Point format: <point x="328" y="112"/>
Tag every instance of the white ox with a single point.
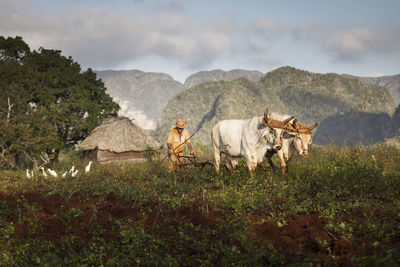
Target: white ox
<point x="297" y="138"/>
<point x="250" y="138"/>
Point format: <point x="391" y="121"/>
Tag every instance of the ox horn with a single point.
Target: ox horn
<point x="315" y="125"/>
<point x="295" y="124"/>
<point x="266" y="115"/>
<point x="287" y="120"/>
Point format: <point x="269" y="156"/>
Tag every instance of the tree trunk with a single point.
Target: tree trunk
<point x="9" y="110"/>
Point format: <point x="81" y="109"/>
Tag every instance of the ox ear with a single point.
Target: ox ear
<point x="290" y="133"/>
<point x="287" y="120"/>
<point x="314" y="125"/>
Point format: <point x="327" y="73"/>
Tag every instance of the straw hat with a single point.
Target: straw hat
<point x="180" y="124"/>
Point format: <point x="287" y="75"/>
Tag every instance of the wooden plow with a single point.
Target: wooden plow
<point x="194" y="161"/>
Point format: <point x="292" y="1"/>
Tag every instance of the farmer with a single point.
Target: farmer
<point x="176" y="139"/>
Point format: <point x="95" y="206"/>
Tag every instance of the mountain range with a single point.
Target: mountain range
<point x="341" y="103"/>
<point x="141" y="95"/>
<point x="144" y="95"/>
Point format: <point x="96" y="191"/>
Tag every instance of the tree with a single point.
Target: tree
<point x="49" y="102"/>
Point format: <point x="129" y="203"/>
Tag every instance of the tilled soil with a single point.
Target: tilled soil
<point x="299" y="236"/>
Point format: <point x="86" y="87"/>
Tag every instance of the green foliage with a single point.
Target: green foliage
<point x="141" y="215"/>
<point x="47" y="103"/>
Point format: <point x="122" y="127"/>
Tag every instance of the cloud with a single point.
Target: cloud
<point x="170" y="6"/>
<point x="345" y="43"/>
<point x="112" y="37"/>
<point x="268" y="26"/>
<point x="261" y="54"/>
<point x="354" y="42"/>
<point x="375" y="74"/>
<point x="108" y="38"/>
<point x="348" y="44"/>
<point x="140" y="119"/>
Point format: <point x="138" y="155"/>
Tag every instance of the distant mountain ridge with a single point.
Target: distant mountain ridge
<point x="144" y="95"/>
<point x="141" y="95"/>
<point x="220" y="75"/>
<point x="332" y="99"/>
<point x="392" y="83"/>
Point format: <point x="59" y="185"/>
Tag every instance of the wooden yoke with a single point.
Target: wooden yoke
<point x="297" y="127"/>
<point x="285" y="125"/>
<point x="268" y="122"/>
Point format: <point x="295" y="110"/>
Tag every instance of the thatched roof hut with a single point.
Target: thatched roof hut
<point x="119" y="140"/>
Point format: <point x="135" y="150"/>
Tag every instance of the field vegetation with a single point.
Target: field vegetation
<point x="339" y="206"/>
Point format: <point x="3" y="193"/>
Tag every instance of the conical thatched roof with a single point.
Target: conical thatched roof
<point x="119" y="135"/>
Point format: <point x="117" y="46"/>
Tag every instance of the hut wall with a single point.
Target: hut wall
<point x="104" y="157"/>
<point x="90" y="154"/>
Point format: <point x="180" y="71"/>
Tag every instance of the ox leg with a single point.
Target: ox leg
<point x="282" y="160"/>
<point x="231" y="163"/>
<point x="217" y="157"/>
<point x="228" y="163"/>
<point x="217" y="150"/>
<point x="287" y="165"/>
<point x="252" y="171"/>
<point x="251" y="165"/>
<point x="269" y="155"/>
<point x="234" y="163"/>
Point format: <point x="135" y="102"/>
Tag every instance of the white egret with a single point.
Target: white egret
<point x="72" y="169"/>
<point x="52" y="172"/>
<point x="28" y="175"/>
<point x="87" y="169"/>
<point x="43" y="172"/>
<point x="64" y="174"/>
<point x="74" y="173"/>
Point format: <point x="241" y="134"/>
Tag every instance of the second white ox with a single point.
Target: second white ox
<point x="250" y="138"/>
<point x="297" y="138"/>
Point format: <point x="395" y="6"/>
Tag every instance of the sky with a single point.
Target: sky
<point x="182" y="37"/>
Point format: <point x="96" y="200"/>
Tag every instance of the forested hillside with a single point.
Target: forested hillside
<point x="331" y="99"/>
<point x="144" y="95"/>
<point x="220" y="75"/>
<point x="392" y="83"/>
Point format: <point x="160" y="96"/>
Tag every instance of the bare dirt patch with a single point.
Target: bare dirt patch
<point x="56" y="218"/>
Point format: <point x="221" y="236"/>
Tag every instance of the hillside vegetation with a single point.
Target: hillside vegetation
<point x="392" y="83"/>
<point x="338" y="207"/>
<point x="307" y="96"/>
<point x="220" y="75"/>
<point x="144" y="95"/>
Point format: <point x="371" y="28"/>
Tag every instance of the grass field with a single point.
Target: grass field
<point x="339" y="206"/>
